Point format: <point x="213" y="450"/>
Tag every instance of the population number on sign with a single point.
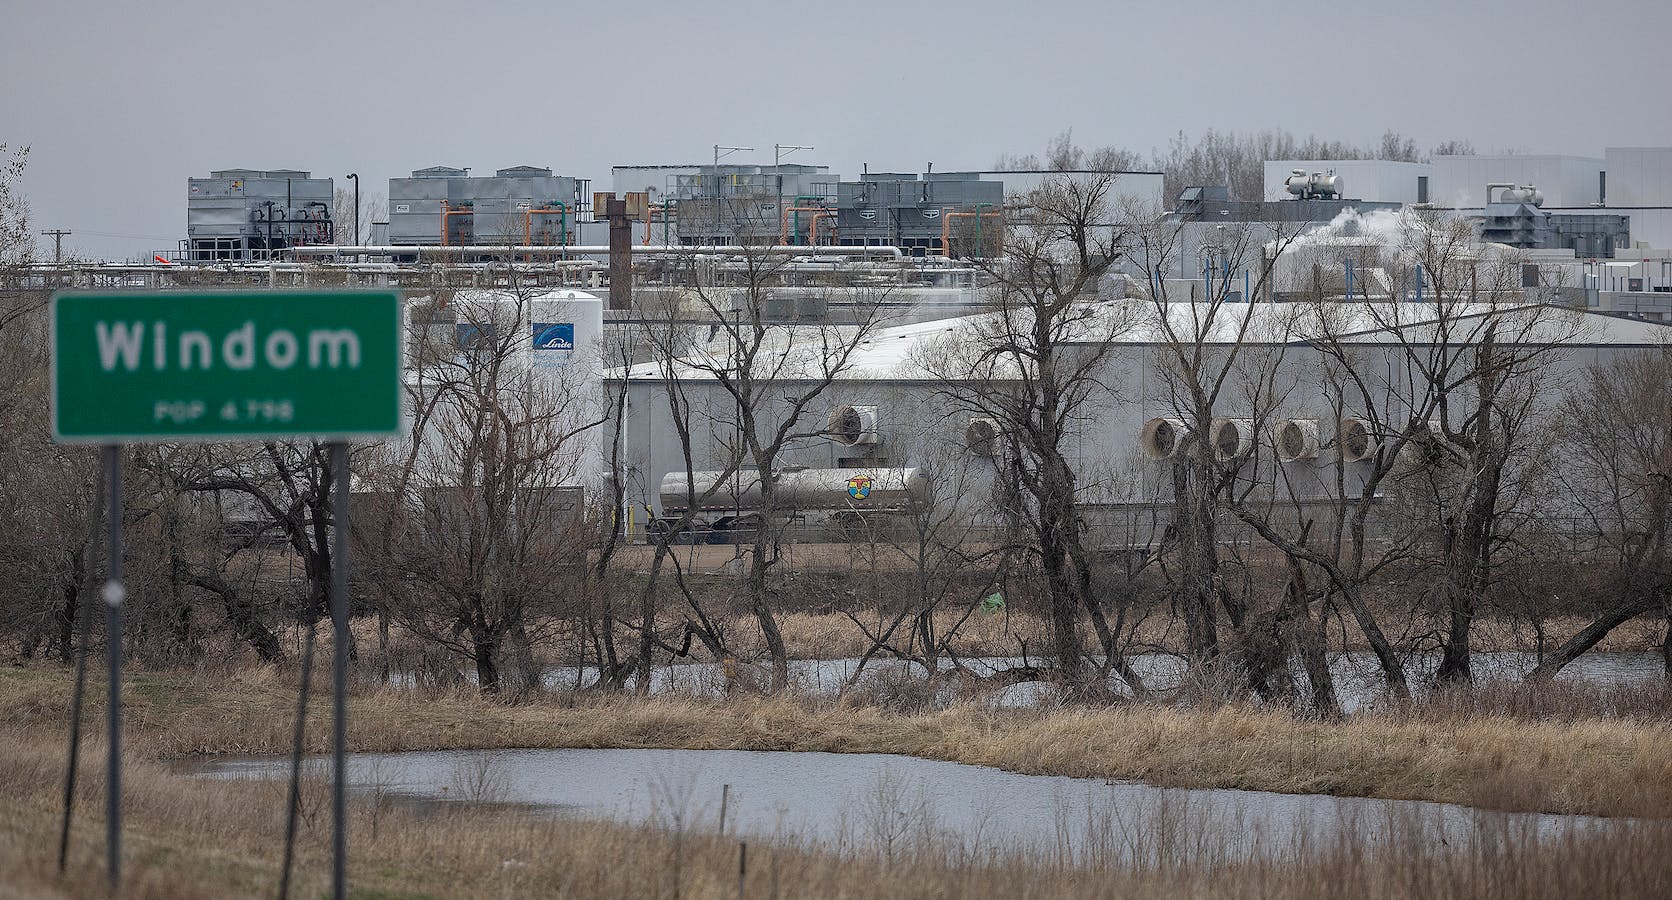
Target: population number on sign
<point x="183" y="366"/>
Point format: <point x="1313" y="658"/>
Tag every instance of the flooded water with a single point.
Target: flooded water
<point x="1357" y="676"/>
<point x="886" y="802"/>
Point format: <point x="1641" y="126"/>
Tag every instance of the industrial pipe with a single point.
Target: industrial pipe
<point x="947" y="215"/>
<point x="602" y="249"/>
<point x="813" y="228"/>
<point x="784" y="225"/>
<point x="528" y="221"/>
<point x="447" y="211"/>
<point x="666" y="209"/>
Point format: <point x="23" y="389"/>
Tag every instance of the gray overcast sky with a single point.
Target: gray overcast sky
<point x="123" y="101"/>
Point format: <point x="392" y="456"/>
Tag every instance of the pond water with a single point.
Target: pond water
<point x="886" y="802"/>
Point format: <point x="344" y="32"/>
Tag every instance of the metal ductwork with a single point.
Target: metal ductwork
<point x="1162" y="438"/>
<point x="981" y="437"/>
<point x="1232" y="438"/>
<point x="1295" y="439"/>
<point x="854" y="426"/>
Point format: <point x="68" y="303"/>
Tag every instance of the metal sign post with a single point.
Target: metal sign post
<point x="167" y="367"/>
<point x="114" y="595"/>
<point x="339" y="668"/>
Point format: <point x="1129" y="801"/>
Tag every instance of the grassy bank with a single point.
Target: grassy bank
<point x="1489" y="754"/>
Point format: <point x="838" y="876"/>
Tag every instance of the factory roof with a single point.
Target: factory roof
<point x="933" y="349"/>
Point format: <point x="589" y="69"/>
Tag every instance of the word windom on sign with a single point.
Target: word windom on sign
<point x="123" y="344"/>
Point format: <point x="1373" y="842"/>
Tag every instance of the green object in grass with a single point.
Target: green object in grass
<point x="992" y="603"/>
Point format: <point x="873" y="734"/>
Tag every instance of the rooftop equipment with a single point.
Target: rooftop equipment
<point x="253" y="214"/>
<point x="1316" y="186"/>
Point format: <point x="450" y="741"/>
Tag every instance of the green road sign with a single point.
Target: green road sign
<point x="132" y="367"/>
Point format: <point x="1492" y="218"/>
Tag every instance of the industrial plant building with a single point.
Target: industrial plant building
<point x="249" y="214"/>
<point x="521" y="205"/>
<point x="1592" y="234"/>
<point x="887" y="419"/>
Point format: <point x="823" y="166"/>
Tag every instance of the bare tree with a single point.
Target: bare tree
<point x="774" y="372"/>
<point x="1616" y="431"/>
<point x="1223" y="371"/>
<point x="283" y="486"/>
<point x="1036" y="366"/>
<point x="951" y="554"/>
<point x="373" y="206"/>
<point x="669" y="338"/>
<point x="480" y="529"/>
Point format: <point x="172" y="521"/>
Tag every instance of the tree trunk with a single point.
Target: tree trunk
<point x="64" y="618"/>
<point x="1197" y="597"/>
<point x="1311" y="644"/>
<point x="760" y="600"/>
<point x="1468" y="563"/>
<point x="1588" y="637"/>
<point x="240" y="613"/>
<point x="485" y="653"/>
<point x="647" y="621"/>
<point x="522" y="650"/>
<point x="761" y="604"/>
<point x="383" y="645"/>
<point x="1054" y="523"/>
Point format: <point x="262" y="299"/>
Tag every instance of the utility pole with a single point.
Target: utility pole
<point x="57" y="235"/>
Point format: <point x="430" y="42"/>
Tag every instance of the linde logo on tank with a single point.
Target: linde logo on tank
<point x="132" y="346"/>
<point x="554" y="335"/>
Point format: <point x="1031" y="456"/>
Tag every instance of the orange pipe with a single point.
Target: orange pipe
<point x="947" y="215"/>
<point x="784" y="225"/>
<point x="528" y="222"/>
<point x="446" y="212"/>
<point x="813" y="228"/>
<point x="650" y="216"/>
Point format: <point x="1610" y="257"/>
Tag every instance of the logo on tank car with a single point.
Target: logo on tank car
<point x="859" y="487"/>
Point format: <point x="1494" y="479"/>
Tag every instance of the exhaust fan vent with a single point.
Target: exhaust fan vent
<point x="854" y="426"/>
<point x="1232" y="438"/>
<point x="1356" y="440"/>
<point x="1296" y="439"/>
<point x="1161" y="438"/>
<point x="982" y="438"/>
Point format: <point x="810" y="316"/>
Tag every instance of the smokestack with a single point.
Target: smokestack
<point x="621" y="254"/>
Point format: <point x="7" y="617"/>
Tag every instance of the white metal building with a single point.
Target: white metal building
<point x="914" y="425"/>
<point x="1565" y="181"/>
<point x="1639" y="176"/>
